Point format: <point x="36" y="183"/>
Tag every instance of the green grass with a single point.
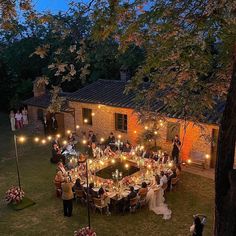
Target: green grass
<point x="194" y="194"/>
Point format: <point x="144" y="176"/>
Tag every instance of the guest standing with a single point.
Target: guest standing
<point x="67" y="197"/>
<point x="25" y="116"/>
<point x="19" y="121"/>
<point x="197" y="228"/>
<point x="12" y="120"/>
<point x="176" y="148"/>
<point x="46" y="125"/>
<point x="54" y="125"/>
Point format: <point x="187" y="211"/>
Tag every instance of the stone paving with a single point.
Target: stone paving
<point x="208" y="173"/>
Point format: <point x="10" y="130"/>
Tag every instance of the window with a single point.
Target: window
<point x="121" y="122"/>
<point x="87" y="116"/>
<point x="40" y="114"/>
<point x="172" y="130"/>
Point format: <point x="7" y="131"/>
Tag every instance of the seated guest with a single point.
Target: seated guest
<point x="126" y="203"/>
<point x="147" y="154"/>
<point x="111" y="139"/>
<point x="102" y="194"/>
<point x="155" y="156"/>
<point x="56" y="155"/>
<point x="171" y="176"/>
<point x="77" y="185"/>
<point x="91" y="138"/>
<point x="61" y="168"/>
<point x="71" y="138"/>
<point x="108" y="151"/>
<point x="143" y="190"/>
<point x="163" y="178"/>
<point x="132" y="193"/>
<point x="56" y="141"/>
<point x="165" y="158"/>
<point x="91" y="192"/>
<point x="127" y="147"/>
<point x="58" y="178"/>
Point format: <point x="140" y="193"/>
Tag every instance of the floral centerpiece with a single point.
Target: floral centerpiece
<point x="86" y="231"/>
<point x="127" y="180"/>
<point x="14" y="195"/>
<point x="108" y="182"/>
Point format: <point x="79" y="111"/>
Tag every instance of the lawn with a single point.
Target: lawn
<point x="194" y="194"/>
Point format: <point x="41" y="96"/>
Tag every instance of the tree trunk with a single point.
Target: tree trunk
<point x="225" y="186"/>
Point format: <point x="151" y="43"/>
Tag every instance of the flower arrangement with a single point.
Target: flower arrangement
<point x="86" y="231"/>
<point x="14" y="195"/>
<point x="127" y="180"/>
<point x="107" y="182"/>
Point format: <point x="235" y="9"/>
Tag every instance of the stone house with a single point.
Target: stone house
<point x="103" y="107"/>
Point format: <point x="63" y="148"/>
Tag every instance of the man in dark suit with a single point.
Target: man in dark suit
<point x="54" y="125"/>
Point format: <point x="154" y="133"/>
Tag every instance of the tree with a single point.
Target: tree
<point x="178" y="37"/>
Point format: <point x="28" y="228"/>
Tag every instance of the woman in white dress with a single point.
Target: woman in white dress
<point x="155" y="199"/>
<point x="12" y="120"/>
<point x="25" y="116"/>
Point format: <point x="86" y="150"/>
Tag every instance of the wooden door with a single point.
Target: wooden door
<point x="60" y="122"/>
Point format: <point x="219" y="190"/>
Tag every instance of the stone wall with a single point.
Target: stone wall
<point x="195" y="138"/>
<point x="104" y="121"/>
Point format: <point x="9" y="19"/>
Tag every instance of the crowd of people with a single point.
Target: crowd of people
<point x="18" y="119"/>
<point x="152" y="193"/>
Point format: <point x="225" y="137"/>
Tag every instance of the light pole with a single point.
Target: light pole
<point x="21" y="139"/>
<point x="83" y="159"/>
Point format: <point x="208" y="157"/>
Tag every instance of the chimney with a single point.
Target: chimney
<point x="124" y="73"/>
<point x="39" y="87"/>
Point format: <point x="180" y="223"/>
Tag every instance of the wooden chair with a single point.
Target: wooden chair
<point x="79" y="195"/>
<point x="99" y="204"/>
<point x="174" y="182"/>
<point x="91" y="203"/>
<point x="133" y="203"/>
<point x="142" y="200"/>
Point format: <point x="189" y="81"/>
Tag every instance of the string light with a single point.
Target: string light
<point x="68" y="131"/>
<point x="113" y="161"/>
<point x="58" y="135"/>
<point x="146" y="127"/>
<point x="36" y="139"/>
<point x="102" y="140"/>
<point x="135" y="132"/>
<point x="84" y="141"/>
<point x="119" y="136"/>
<point x="85" y="120"/>
<point x="64" y="142"/>
<point x="189" y="161"/>
<point x="49" y="138"/>
<point x="126" y="166"/>
<point x="170" y="164"/>
<point x="77" y="126"/>
<point x="43" y="141"/>
<point x="207" y="156"/>
<point x="22" y="139"/>
<point x="155" y="132"/>
<point x="93" y="114"/>
<point x="99" y="106"/>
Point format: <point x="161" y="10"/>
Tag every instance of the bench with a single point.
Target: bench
<point x="198" y="159"/>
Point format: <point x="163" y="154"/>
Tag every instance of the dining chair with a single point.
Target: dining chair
<point x="133" y="203"/>
<point x="100" y="205"/>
